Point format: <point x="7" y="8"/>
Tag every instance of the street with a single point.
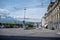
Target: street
<point x="34" y="34"/>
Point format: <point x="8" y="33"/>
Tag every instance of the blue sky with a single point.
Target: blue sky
<point x="15" y="8"/>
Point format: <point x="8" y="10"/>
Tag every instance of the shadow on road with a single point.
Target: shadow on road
<point x="27" y="38"/>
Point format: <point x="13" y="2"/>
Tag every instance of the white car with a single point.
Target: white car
<point x="39" y="27"/>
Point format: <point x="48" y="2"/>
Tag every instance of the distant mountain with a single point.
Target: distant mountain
<point x="12" y="20"/>
<point x="9" y="20"/>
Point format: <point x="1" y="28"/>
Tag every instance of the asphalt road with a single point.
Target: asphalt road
<point x="27" y="38"/>
<point x="35" y="34"/>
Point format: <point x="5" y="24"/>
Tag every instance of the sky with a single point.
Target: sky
<point x="15" y="8"/>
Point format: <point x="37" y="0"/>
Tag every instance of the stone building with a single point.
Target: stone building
<point x="52" y="17"/>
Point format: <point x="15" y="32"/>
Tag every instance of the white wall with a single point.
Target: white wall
<point x="43" y="21"/>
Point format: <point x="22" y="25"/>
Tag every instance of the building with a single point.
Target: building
<point x="37" y="25"/>
<point x="52" y="17"/>
<point x="43" y="21"/>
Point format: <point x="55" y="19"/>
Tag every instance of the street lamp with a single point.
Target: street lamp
<point x="24" y="18"/>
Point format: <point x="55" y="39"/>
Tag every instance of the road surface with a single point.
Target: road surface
<point x="34" y="34"/>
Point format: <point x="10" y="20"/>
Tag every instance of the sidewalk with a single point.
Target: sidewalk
<point x="42" y="30"/>
<point x="58" y="32"/>
<point x="48" y="30"/>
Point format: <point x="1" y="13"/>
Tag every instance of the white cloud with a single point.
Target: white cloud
<point x="14" y="16"/>
<point x="4" y="12"/>
<point x="30" y="13"/>
<point x="35" y="12"/>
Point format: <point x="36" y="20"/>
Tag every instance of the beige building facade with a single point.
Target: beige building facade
<point x="52" y="17"/>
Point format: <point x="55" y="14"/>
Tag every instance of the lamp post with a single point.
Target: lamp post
<point x="24" y="18"/>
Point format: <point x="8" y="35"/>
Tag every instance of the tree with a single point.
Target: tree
<point x="30" y="25"/>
